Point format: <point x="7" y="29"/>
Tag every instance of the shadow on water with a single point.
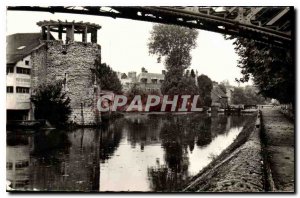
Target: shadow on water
<point x="137" y="152"/>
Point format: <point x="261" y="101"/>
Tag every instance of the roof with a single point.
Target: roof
<point x="151" y="76"/>
<point x="218" y="92"/>
<point x="26" y="42"/>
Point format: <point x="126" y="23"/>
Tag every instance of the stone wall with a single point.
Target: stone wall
<point x="74" y="64"/>
<point x="39" y="67"/>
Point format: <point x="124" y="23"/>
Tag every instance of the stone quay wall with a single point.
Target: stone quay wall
<point x="74" y="64"/>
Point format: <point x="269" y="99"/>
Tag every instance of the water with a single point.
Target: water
<point x="138" y="152"/>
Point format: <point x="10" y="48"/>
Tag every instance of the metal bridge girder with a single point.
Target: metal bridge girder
<point x="271" y="25"/>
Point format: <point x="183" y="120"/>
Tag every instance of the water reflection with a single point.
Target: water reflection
<point x="139" y="152"/>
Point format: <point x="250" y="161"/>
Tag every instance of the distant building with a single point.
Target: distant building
<point x="149" y="82"/>
<point x="128" y="81"/>
<point x="219" y="98"/>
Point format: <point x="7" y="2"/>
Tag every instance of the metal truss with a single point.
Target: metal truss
<point x="270" y="25"/>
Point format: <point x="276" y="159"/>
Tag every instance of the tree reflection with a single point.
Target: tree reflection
<point x="47" y="144"/>
<point x="143" y="130"/>
<point x="177" y="134"/>
<point x="111" y="134"/>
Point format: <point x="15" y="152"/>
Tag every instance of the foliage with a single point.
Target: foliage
<point x="272" y="69"/>
<point x="135" y="90"/>
<point x="193" y="75"/>
<point x="238" y="96"/>
<point x="176" y="84"/>
<point x="52" y="104"/>
<point x="205" y="86"/>
<point x="248" y="96"/>
<point x="108" y="78"/>
<point x="174" y="43"/>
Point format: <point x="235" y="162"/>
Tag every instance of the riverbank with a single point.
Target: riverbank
<point x="260" y="159"/>
<point x="237" y="169"/>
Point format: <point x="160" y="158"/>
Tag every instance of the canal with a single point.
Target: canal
<point x="138" y="152"/>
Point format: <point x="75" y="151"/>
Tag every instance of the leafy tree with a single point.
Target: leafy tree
<point x="174" y="44"/>
<point x="136" y="90"/>
<point x="193" y="75"/>
<point x="248" y="96"/>
<point x="238" y="96"/>
<point x="52" y="104"/>
<point x="205" y="86"/>
<point x="176" y="84"/>
<point x="108" y="78"/>
<point x="187" y="73"/>
<point x="272" y="68"/>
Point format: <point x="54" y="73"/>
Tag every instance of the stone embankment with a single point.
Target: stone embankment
<point x="260" y="159"/>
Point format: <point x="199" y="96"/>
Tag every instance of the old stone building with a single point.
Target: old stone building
<point x="219" y="98"/>
<point x="148" y="82"/>
<point x="71" y="61"/>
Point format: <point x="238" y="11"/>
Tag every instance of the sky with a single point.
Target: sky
<point x="124" y="44"/>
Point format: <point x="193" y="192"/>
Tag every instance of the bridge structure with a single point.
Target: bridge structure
<point x="270" y="25"/>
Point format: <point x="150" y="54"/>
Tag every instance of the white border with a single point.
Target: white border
<point x="125" y="3"/>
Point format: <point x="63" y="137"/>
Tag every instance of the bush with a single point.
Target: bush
<point x="52" y="104"/>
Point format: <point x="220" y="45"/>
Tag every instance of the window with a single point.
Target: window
<point x="10" y="69"/>
<point x="9" y="165"/>
<point x="10" y="89"/>
<point x="21" y="47"/>
<point x="21" y="70"/>
<point x="154" y="81"/>
<point x="22" y="164"/>
<point x="27" y="62"/>
<point x="22" y="90"/>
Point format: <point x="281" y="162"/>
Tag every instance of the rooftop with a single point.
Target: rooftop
<point x="20" y="45"/>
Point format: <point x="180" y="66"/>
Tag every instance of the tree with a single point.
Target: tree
<point x="193" y="75"/>
<point x="205" y="86"/>
<point x="176" y="84"/>
<point x="238" y="96"/>
<point x="174" y="44"/>
<point x="248" y="96"/>
<point x="271" y="68"/>
<point x="108" y="78"/>
<point x="52" y="104"/>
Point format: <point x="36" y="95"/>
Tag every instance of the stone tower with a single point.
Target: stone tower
<point x="71" y="61"/>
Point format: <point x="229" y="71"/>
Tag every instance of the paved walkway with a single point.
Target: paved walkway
<point x="279" y="139"/>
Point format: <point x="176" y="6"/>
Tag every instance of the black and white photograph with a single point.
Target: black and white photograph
<point x="150" y="99"/>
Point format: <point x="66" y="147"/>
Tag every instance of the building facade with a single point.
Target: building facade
<point x="219" y="97"/>
<point x="148" y="82"/>
<point x="18" y="74"/>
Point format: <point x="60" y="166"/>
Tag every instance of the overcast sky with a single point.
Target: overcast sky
<point x="124" y="44"/>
